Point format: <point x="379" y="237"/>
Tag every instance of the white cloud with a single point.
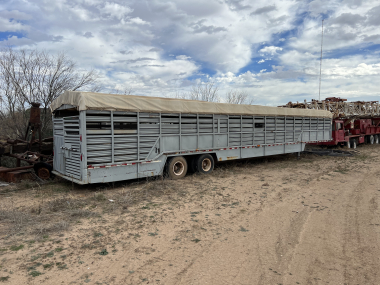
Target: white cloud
<point x="6" y="26"/>
<point x="15" y="14"/>
<point x="270" y="50"/>
<point x="156" y="46"/>
<point x="138" y="21"/>
<point x="115" y="10"/>
<point x="182" y="57"/>
<point x="350" y="67"/>
<point x="299" y="59"/>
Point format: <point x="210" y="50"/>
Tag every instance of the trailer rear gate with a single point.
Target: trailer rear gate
<point x="94" y="146"/>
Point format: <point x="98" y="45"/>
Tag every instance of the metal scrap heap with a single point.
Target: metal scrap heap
<point x="340" y="108"/>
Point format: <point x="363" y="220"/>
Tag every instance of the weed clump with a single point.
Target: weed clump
<point x="35" y="273"/>
<point x="50" y="227"/>
<point x="80" y="213"/>
<point x="63" y="205"/>
<point x="16" y="247"/>
<point x="103" y="252"/>
<point x="243" y="229"/>
<point x="99" y="197"/>
<point x="4" y="279"/>
<point x="47" y="266"/>
<point x="35" y="257"/>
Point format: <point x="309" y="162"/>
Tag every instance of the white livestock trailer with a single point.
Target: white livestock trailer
<point x="105" y="138"/>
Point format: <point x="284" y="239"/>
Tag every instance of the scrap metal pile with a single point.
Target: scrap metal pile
<point x="340" y="107"/>
<point x="9" y="146"/>
<point x="37" y="153"/>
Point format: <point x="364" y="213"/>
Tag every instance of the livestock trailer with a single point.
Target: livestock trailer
<point x="104" y="137"/>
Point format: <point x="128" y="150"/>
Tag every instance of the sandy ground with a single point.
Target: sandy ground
<point x="270" y="221"/>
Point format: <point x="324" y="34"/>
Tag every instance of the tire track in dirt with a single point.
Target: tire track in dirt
<point x="338" y="246"/>
<point x="360" y="266"/>
<point x="288" y="241"/>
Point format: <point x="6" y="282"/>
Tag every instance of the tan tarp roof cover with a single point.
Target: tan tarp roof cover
<point x="99" y="101"/>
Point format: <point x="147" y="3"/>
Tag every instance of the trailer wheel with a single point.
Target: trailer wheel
<point x="177" y="167"/>
<point x="376" y="139"/>
<point x="371" y="139"/>
<point x="205" y="163"/>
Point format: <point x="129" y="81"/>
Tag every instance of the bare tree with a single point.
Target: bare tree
<point x="125" y="91"/>
<point x="36" y="76"/>
<point x="177" y="95"/>
<point x="204" y="91"/>
<point x="238" y="97"/>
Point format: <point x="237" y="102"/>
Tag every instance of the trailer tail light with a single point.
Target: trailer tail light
<point x="80" y="157"/>
<point x="80" y="137"/>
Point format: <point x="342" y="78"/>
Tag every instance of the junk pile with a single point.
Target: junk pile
<point x="340" y="108"/>
<point x="37" y="153"/>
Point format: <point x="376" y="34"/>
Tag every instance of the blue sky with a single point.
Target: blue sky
<point x="269" y="49"/>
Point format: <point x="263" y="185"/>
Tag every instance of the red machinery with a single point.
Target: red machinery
<point x="354" y="131"/>
<point x="354" y="122"/>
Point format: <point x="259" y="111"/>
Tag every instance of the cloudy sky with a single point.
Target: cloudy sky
<point x="268" y="48"/>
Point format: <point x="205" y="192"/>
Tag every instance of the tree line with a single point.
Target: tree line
<point x="209" y="91"/>
<point x="28" y="76"/>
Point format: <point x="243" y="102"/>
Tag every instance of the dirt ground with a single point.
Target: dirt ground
<point x="274" y="220"/>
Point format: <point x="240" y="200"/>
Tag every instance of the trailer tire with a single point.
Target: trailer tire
<point x="205" y="164"/>
<point x="371" y="139"/>
<point x="176" y="167"/>
<point x="377" y="139"/>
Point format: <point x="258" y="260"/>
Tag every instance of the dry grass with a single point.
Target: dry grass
<point x="109" y="217"/>
<point x="12" y="216"/>
<point x="54" y="227"/>
<point x="63" y="204"/>
<point x="58" y="206"/>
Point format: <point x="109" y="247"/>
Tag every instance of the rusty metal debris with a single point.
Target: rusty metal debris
<point x="340" y="107"/>
<point x="34" y="125"/>
<point x="38" y="153"/>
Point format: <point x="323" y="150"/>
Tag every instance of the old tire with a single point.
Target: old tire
<point x="43" y="170"/>
<point x="376" y="139"/>
<point x="371" y="139"/>
<point x="205" y="163"/>
<point x="349" y="144"/>
<point x="176" y="167"/>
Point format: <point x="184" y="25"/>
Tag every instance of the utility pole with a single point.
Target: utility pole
<point x="320" y="66"/>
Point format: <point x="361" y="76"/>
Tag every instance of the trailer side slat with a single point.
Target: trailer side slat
<point x="126" y="138"/>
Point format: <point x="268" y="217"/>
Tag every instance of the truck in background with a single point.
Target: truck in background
<point x="353" y="123"/>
